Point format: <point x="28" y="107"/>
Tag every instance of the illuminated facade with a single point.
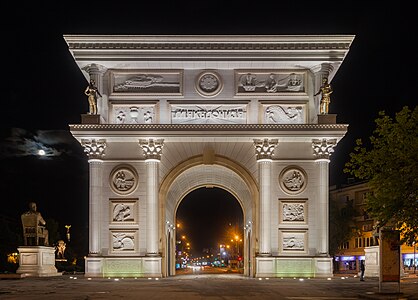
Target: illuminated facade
<point x="351" y="252"/>
<point x="182" y="112"/>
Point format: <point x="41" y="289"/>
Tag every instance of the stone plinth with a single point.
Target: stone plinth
<point x="327" y="119"/>
<point x="123" y="267"/>
<point x="372" y="262"/>
<point x="90" y="119"/>
<point x="37" y="261"/>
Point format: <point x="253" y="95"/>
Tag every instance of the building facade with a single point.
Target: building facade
<point x="177" y="113"/>
<point x="352" y="251"/>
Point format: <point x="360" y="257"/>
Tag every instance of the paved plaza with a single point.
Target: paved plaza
<point x="200" y="286"/>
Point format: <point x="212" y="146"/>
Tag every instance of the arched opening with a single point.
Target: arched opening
<point x="192" y="175"/>
<point x="209" y="233"/>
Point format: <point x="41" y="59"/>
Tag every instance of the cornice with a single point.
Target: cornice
<point x="207" y="127"/>
<point x="134" y="47"/>
<point x="213" y="132"/>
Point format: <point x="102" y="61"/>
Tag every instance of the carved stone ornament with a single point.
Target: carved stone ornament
<point x="123" y="241"/>
<point x="284" y="114"/>
<point x="208" y="84"/>
<point x="293" y="180"/>
<point x="322" y="149"/>
<point x="123" y="180"/>
<point x="95" y="149"/>
<point x="293" y="242"/>
<point x="293" y="212"/>
<point x="151" y="148"/>
<point x="264" y="149"/>
<point x="123" y="212"/>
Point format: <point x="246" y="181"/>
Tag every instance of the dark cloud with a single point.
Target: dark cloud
<point x="21" y="142"/>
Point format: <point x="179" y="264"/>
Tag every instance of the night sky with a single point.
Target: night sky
<point x="43" y="89"/>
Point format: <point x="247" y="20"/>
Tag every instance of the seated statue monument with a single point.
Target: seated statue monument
<point x="34" y="230"/>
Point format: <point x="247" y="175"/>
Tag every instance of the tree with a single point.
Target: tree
<point x="390" y="164"/>
<point x="341" y="225"/>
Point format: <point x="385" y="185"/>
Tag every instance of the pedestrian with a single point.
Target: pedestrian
<point x="362" y="269"/>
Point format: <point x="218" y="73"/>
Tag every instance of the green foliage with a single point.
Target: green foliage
<point x="390" y="164"/>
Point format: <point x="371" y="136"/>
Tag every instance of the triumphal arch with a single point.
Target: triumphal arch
<point x="176" y="113"/>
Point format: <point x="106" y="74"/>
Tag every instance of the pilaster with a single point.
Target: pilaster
<point x="264" y="150"/>
<point x="152" y="150"/>
<point x="322" y="150"/>
<point x="95" y="150"/>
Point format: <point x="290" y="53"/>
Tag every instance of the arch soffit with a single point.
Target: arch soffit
<point x="236" y="180"/>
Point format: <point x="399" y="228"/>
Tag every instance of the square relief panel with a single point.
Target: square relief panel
<point x="123" y="241"/>
<point x="293" y="211"/>
<point x="123" y="211"/>
<point x="293" y="241"/>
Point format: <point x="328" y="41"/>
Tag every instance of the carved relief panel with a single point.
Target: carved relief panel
<point x="293" y="241"/>
<point x="293" y="180"/>
<point x="283" y="114"/>
<point x="269" y="82"/>
<point x="293" y="211"/>
<point x="123" y="179"/>
<point x="123" y="211"/>
<point x="147" y="82"/>
<point x="133" y="114"/>
<point x="123" y="241"/>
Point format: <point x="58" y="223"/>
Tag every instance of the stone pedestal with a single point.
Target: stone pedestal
<point x="37" y="261"/>
<point x="327" y="119"/>
<point x="372" y="261"/>
<point x="90" y="119"/>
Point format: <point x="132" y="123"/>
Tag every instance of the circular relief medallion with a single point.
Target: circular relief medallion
<point x="209" y="84"/>
<point x="123" y="179"/>
<point x="293" y="180"/>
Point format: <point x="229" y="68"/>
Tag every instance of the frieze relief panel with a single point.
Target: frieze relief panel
<point x="123" y="241"/>
<point x="283" y="114"/>
<point x="123" y="211"/>
<point x="209" y="114"/>
<point x="293" y="211"/>
<point x="147" y="82"/>
<point x="133" y="114"/>
<point x="293" y="241"/>
<point x="269" y="82"/>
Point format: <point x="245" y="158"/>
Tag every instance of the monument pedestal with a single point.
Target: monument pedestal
<point x="90" y="119"/>
<point x="37" y="261"/>
<point x="327" y="119"/>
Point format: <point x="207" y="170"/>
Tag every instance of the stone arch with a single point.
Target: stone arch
<point x="193" y="174"/>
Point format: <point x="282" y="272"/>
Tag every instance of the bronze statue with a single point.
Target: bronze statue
<point x="326" y="91"/>
<point x="60" y="249"/>
<point x="34" y="230"/>
<point x="93" y="93"/>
